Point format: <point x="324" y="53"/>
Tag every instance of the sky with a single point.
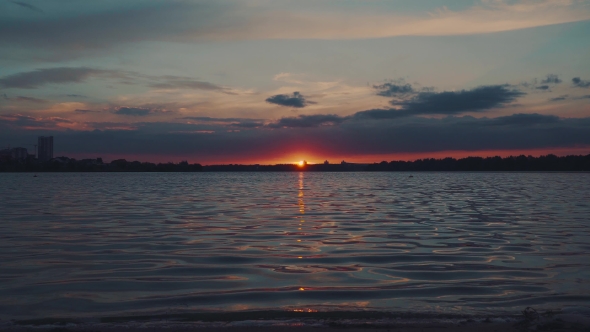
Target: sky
<point x="278" y="81"/>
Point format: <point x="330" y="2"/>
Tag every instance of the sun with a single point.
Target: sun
<point x="302" y="163"/>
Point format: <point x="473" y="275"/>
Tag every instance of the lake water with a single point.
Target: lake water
<point x="100" y="244"/>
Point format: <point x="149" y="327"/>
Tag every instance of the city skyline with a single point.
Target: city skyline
<point x="270" y="82"/>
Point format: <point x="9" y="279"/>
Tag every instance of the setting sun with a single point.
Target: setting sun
<point x="302" y="163"/>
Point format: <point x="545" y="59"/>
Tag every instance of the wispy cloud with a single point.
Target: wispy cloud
<point x="30" y="100"/>
<point x="39" y="77"/>
<point x="141" y="111"/>
<point x="83" y="111"/>
<point x="71" y="36"/>
<point x="176" y="82"/>
<point x="485" y="17"/>
<point x="560" y="98"/>
<point x="551" y="79"/>
<point x="27" y="6"/>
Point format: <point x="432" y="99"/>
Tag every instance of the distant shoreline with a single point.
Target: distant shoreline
<point x="297" y="171"/>
<point x="548" y="163"/>
<point x="302" y="320"/>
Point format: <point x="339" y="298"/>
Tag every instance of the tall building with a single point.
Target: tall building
<point x="45" y="148"/>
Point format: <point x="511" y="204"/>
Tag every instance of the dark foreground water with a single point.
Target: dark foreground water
<point x="103" y="244"/>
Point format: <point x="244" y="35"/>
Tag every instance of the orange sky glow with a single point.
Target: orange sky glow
<point x="317" y="158"/>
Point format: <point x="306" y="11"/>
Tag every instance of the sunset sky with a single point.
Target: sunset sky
<point x="273" y="81"/>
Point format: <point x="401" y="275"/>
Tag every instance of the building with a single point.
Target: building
<point x="14" y="154"/>
<point x="19" y="153"/>
<point x="45" y="148"/>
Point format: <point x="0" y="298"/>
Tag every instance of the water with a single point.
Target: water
<point x="103" y="244"/>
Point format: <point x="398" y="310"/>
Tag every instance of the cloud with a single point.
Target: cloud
<point x="296" y="100"/>
<point x="247" y="124"/>
<point x="567" y="97"/>
<point x="60" y="120"/>
<point x="551" y="79"/>
<point x="479" y="99"/>
<point x="39" y="77"/>
<point x="580" y="83"/>
<point x="62" y="75"/>
<point x="24" y="99"/>
<point x="351" y="138"/>
<point x="453" y="102"/>
<point x="380" y="114"/>
<point x="133" y="111"/>
<point x="232" y="122"/>
<point x="30" y="99"/>
<point x="27" y="5"/>
<point x="80" y="111"/>
<point x="560" y="98"/>
<point x="175" y="82"/>
<point x="542" y="87"/>
<point x="393" y="89"/>
<point x="523" y="120"/>
<point x="26" y="122"/>
<point x="91" y="31"/>
<point x="427" y="102"/>
<point x="374" y="22"/>
<point x="308" y="121"/>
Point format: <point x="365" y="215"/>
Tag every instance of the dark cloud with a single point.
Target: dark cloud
<point x="308" y="121"/>
<point x="382" y="114"/>
<point x="393" y="89"/>
<point x="60" y="120"/>
<point x="232" y="122"/>
<point x="524" y="120"/>
<point x="296" y="100"/>
<point x="27" y="6"/>
<point x="580" y="83"/>
<point x="551" y="79"/>
<point x="39" y="77"/>
<point x="76" y="96"/>
<point x="560" y="98"/>
<point x="354" y="138"/>
<point x="542" y="87"/>
<point x="247" y="124"/>
<point x="132" y="111"/>
<point x="480" y="99"/>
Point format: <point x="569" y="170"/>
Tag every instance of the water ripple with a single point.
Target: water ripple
<point x="96" y="244"/>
